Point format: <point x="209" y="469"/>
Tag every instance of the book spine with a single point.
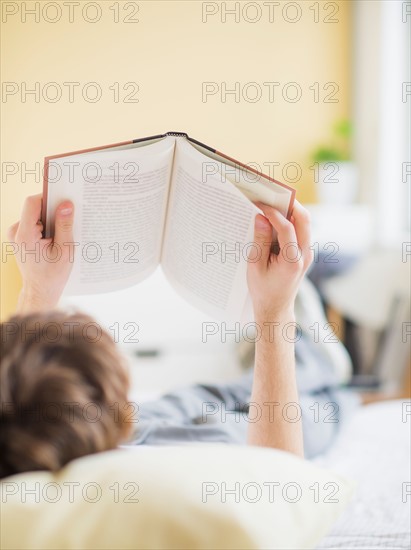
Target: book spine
<point x="178" y="134"/>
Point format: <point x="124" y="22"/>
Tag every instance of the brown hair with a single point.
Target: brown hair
<point x="63" y="391"/>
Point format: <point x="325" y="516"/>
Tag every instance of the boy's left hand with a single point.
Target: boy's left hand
<point x="44" y="264"/>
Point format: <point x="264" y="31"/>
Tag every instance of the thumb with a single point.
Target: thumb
<point x="263" y="234"/>
<point x="63" y="228"/>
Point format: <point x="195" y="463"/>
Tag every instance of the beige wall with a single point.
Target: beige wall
<point x="169" y="53"/>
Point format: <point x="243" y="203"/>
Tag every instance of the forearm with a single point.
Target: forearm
<point x="274" y="386"/>
<point x="31" y="301"/>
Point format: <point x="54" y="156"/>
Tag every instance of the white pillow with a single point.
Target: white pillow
<point x="173" y="497"/>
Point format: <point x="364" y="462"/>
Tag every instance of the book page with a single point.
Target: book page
<point x="209" y="232"/>
<point x="120" y="199"/>
<point x="255" y="187"/>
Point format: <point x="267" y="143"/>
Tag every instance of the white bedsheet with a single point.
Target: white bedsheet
<point x="374" y="449"/>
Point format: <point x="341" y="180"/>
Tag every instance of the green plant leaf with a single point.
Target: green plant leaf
<point x="327" y="154"/>
<point x="343" y="128"/>
<point x="338" y="149"/>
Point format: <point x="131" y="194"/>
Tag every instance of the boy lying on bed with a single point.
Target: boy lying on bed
<point x="50" y="378"/>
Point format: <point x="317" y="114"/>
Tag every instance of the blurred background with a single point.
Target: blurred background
<point x="315" y="93"/>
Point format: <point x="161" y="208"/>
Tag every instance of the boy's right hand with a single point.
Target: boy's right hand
<point x="273" y="280"/>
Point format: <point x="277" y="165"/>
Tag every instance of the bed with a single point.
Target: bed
<point x="374" y="450"/>
<point x="170" y="511"/>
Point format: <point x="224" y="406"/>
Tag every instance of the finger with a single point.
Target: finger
<point x="263" y="234"/>
<point x="301" y="221"/>
<point x="30" y="216"/>
<point x="285" y="230"/>
<point x="63" y="228"/>
<point x="11" y="233"/>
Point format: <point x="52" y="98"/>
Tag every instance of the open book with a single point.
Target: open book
<point x="169" y="200"/>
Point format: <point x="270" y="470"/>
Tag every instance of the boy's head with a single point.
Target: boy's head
<point x="63" y="391"/>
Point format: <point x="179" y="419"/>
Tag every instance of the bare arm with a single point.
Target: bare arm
<point x="273" y="282"/>
<point x="45" y="272"/>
